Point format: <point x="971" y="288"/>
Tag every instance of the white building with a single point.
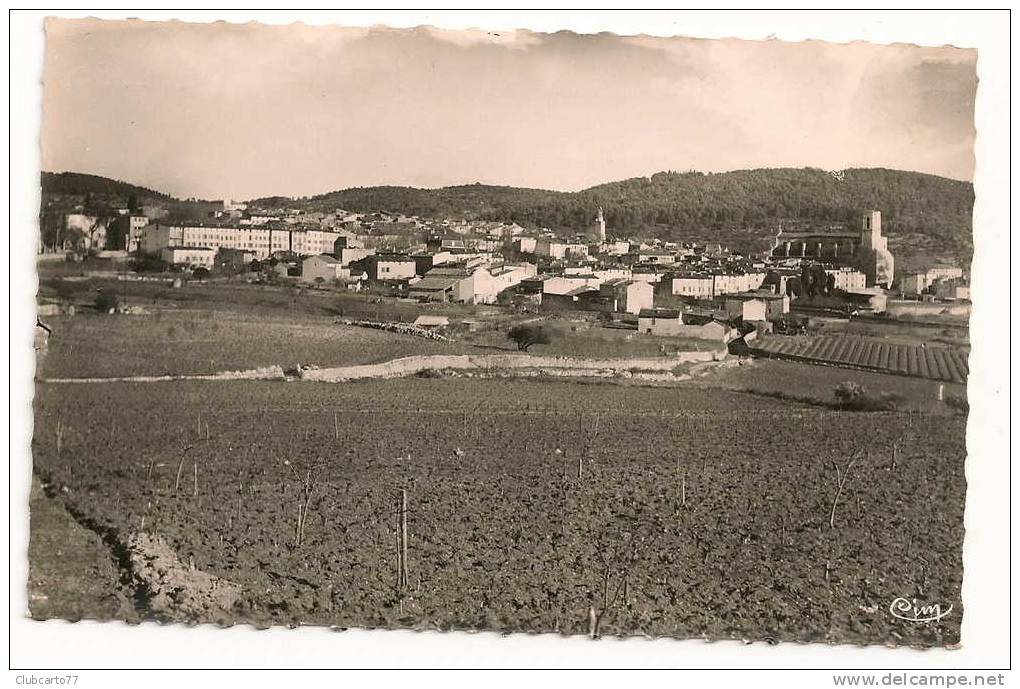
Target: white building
<point x="322" y="267"/>
<point x="615" y="273"/>
<point x="136" y="223"/>
<point x="618" y="248"/>
<point x="556" y="249"/>
<point x="261" y="241"/>
<point x="527" y="245"/>
<point x="915" y="284"/>
<point x="632" y="296"/>
<point x="748" y="310"/>
<point x="385" y="267"/>
<point x="656" y="257"/>
<point x="730" y="283"/>
<point x="694" y="286"/>
<point x="663" y="322"/>
<point x="846" y="278"/>
<point x="194" y="256"/>
<point x="349" y="255"/>
<point x="561" y="284"/>
<point x="489" y="283"/>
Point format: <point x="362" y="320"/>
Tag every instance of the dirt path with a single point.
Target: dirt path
<point x="71" y="573"/>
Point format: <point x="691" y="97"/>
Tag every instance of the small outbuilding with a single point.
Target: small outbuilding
<point x="324" y="267"/>
<point x="747" y="310"/>
<point x="660" y="321"/>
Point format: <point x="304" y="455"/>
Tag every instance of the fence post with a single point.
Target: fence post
<point x="402" y="541"/>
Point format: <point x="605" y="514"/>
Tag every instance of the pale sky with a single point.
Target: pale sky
<point x="241" y="111"/>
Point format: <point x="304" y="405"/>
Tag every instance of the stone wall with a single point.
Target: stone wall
<point x="415" y="364"/>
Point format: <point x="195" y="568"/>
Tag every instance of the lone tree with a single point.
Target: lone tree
<point x="527" y="334"/>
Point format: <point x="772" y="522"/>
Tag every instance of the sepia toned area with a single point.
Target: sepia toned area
<point x="297" y="364"/>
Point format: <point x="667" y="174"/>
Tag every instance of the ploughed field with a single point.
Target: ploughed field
<point x="531" y="505"/>
<point x="919" y="360"/>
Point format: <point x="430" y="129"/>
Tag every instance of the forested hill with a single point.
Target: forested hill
<point x="475" y="201"/>
<point x="742" y="207"/>
<point x="78" y="184"/>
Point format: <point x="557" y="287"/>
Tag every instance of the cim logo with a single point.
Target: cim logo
<point x="911" y="611"/>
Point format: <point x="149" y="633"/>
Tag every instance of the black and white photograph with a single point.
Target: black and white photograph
<point x="589" y="335"/>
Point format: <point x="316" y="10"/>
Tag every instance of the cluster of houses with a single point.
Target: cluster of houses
<point x="942" y="283"/>
<point x="667" y="287"/>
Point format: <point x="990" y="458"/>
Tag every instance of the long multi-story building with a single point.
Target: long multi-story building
<point x="847" y="278"/>
<point x="709" y="285"/>
<point x="262" y="241"/>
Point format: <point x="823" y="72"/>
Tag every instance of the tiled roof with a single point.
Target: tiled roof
<point x="659" y="313"/>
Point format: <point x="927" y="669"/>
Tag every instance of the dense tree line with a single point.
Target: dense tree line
<point x="677" y="204"/>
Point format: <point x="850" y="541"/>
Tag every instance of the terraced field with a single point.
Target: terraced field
<point x="919" y="360"/>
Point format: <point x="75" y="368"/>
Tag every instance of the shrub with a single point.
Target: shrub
<point x="107" y="301"/>
<point x="849" y="391"/>
<point x="200" y="273"/>
<point x="149" y="264"/>
<point x="852" y="396"/>
<point x="884" y="401"/>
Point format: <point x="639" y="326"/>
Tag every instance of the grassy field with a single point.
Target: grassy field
<point x="201" y="342"/>
<point x="238" y="296"/>
<point x="585" y="339"/>
<point x="899" y="332"/>
<point x="202" y="329"/>
<point x="778" y="378"/>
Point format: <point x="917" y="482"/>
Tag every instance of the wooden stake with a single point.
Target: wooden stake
<point x="180" y="467"/>
<point x="336" y="426"/>
<point x="403" y="536"/>
<point x="841" y="479"/>
<point x="401" y="541"/>
<point x="400" y="559"/>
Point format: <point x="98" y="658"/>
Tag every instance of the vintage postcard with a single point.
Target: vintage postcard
<point x="598" y="335"/>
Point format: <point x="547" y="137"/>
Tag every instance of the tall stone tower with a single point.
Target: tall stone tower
<point x="871" y="230"/>
<point x="878" y="264"/>
<point x="602" y="226"/>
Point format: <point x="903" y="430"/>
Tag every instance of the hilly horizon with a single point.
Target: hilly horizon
<point x="927" y="217"/>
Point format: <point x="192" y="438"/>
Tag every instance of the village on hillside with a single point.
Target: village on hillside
<point x="559" y="334"/>
<point x="688" y="291"/>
